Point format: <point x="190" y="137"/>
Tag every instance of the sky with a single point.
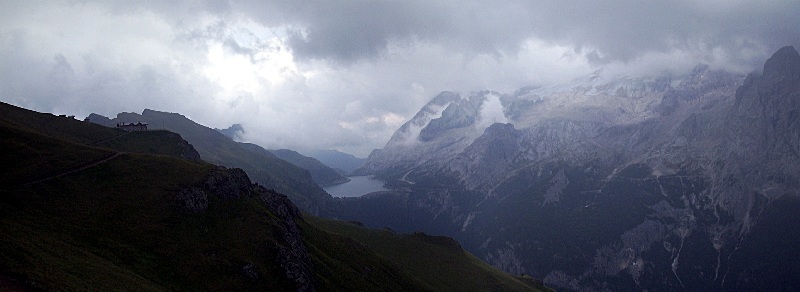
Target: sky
<point x="303" y="74"/>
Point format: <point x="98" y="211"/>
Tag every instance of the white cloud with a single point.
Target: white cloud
<point x="491" y="112"/>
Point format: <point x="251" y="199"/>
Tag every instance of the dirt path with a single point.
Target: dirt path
<point x="109" y="139"/>
<point x="78" y="168"/>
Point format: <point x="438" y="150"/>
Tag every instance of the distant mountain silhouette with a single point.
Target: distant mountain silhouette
<point x="321" y="173"/>
<point x="342" y="162"/>
<point x="214" y="147"/>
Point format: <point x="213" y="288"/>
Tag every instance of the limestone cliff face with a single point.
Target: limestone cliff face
<point x="764" y="130"/>
<point x="612" y="183"/>
<point x="441" y="129"/>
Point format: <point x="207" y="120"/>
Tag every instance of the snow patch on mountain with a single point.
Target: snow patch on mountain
<point x="408" y="134"/>
<point x="411" y="134"/>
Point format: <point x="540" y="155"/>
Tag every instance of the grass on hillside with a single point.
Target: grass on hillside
<point x="117" y="226"/>
<point x="344" y="264"/>
<point x="437" y="261"/>
<point x="64" y="128"/>
<point x="28" y="156"/>
<point x="159" y="142"/>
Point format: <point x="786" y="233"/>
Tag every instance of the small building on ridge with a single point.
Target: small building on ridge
<point x="138" y="126"/>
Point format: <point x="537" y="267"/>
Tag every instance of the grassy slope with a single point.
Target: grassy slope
<point x="213" y="147"/>
<point x="57" y="127"/>
<point x="343" y="264"/>
<point x="70" y="230"/>
<point x="439" y="262"/>
<point x="115" y="226"/>
<point x="17" y="120"/>
<point x="25" y="161"/>
<point x="159" y="142"/>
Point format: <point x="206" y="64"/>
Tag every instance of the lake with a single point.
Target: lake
<point x="356" y="187"/>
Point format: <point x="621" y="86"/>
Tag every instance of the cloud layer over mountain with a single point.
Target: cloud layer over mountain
<point x="346" y="74"/>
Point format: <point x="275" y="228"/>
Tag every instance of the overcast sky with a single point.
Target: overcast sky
<point x="345" y="74"/>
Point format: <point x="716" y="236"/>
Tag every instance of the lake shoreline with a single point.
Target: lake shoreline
<point x="357" y="186"/>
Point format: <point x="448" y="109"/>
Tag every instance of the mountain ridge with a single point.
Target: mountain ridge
<point x="321" y="173"/>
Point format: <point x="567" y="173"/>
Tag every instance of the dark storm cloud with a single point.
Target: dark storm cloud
<point x="604" y="31"/>
<point x="352" y="30"/>
<point x="625" y="30"/>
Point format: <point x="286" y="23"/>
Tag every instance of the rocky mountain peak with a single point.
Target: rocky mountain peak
<point x="101" y="120"/>
<point x="444" y="98"/>
<point x="234" y="131"/>
<point x="148" y="112"/>
<point x="775" y="87"/>
<point x="409" y="132"/>
<point x="785" y="63"/>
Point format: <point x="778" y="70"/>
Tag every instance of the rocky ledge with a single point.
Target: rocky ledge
<point x="234" y="184"/>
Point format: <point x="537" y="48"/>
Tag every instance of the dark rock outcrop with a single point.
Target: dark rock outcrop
<point x="233" y="184"/>
<point x="187" y="151"/>
<point x="101" y="120"/>
<point x="783" y="65"/>
<point x="294" y="256"/>
<point x="193" y="199"/>
<point x="227" y="183"/>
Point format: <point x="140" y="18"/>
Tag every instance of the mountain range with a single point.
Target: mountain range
<point x="343" y="163"/>
<point x="89" y="207"/>
<point x="674" y="182"/>
<point x="322" y="173"/>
